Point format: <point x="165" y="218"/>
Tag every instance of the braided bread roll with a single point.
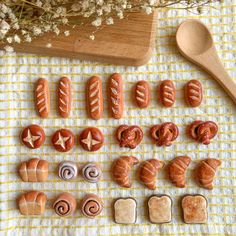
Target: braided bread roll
<point x="65" y="204"/>
<point x="42" y="98"/>
<point x="92" y="172"/>
<point x="115" y="95"/>
<point x="64" y="97"/>
<point x="32" y="203"/>
<point x="34" y="170"/>
<point x="91" y="206"/>
<point x="67" y="170"/>
<point x="94" y="98"/>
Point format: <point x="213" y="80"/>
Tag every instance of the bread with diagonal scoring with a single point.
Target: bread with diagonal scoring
<point x="64" y="97"/>
<point x="193" y="93"/>
<point x="115" y="96"/>
<point x="94" y="98"/>
<point x="167" y="93"/>
<point x="142" y="94"/>
<point x="42" y="98"/>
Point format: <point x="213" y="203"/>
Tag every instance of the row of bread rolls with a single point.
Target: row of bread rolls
<point x="194" y="207"/>
<point x="94" y="96"/>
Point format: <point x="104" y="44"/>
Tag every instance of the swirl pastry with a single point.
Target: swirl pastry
<point x="67" y="170"/>
<point x="92" y="172"/>
<point x="65" y="204"/>
<point x="91" y="205"/>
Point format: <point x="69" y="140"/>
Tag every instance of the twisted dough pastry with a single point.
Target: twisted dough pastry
<point x="65" y="204"/>
<point x="121" y="169"/>
<point x="91" y="205"/>
<point x="164" y="134"/>
<point x="92" y="172"/>
<point x="67" y="170"/>
<point x="202" y="131"/>
<point x="129" y="136"/>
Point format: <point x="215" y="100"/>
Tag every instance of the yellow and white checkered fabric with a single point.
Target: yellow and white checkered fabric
<point x="17" y="76"/>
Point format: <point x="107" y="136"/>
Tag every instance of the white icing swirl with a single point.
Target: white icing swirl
<point x="92" y="172"/>
<point x="67" y="170"/>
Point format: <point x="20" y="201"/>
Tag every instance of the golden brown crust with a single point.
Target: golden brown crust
<point x="34" y="170"/>
<point x="115" y="96"/>
<point x="148" y="172"/>
<point x="142" y="94"/>
<point x="121" y="169"/>
<point x="32" y="203"/>
<point x="193" y="93"/>
<point x="177" y="170"/>
<point x="64" y="97"/>
<point x="205" y="172"/>
<point x="94" y="97"/>
<point x="65" y="204"/>
<point x="167" y="93"/>
<point x="42" y="98"/>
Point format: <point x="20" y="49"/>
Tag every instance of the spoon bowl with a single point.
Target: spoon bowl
<point x="195" y="42"/>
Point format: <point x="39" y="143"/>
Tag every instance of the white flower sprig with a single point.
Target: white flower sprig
<point x="23" y="20"/>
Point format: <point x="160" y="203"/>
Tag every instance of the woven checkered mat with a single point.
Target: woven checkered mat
<point x="18" y="74"/>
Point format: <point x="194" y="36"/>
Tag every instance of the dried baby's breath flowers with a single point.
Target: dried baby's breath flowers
<point x="23" y="20"/>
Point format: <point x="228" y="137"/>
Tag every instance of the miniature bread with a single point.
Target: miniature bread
<point x="206" y="171"/>
<point x="177" y="169"/>
<point x="91" y="139"/>
<point x="125" y="211"/>
<point x="65" y="204"/>
<point x="91" y="206"/>
<point x="193" y="93"/>
<point x="32" y="203"/>
<point x="92" y="172"/>
<point x="167" y="93"/>
<point x="194" y="209"/>
<point x="121" y="169"/>
<point x="34" y="170"/>
<point x="142" y="94"/>
<point x="148" y="172"/>
<point x="129" y="136"/>
<point x="67" y="170"/>
<point x="159" y="208"/>
<point x="42" y="98"/>
<point x="115" y="96"/>
<point x="32" y="136"/>
<point x="202" y="131"/>
<point x="164" y="134"/>
<point x="94" y="97"/>
<point x="64" y="97"/>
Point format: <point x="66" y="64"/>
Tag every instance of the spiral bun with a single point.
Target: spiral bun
<point x="65" y="204"/>
<point x="67" y="170"/>
<point x="91" y="205"/>
<point x="92" y="172"/>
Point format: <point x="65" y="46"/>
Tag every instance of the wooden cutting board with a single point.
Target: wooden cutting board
<point x="128" y="42"/>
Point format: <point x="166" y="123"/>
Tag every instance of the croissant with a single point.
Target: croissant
<point x="34" y="170"/>
<point x="121" y="169"/>
<point x="177" y="169"/>
<point x="32" y="203"/>
<point x="148" y="172"/>
<point x="206" y="171"/>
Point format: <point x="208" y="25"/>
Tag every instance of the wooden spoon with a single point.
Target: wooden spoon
<point x="195" y="42"/>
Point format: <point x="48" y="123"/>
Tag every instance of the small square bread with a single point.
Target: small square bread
<point x="159" y="208"/>
<point x="194" y="209"/>
<point x="125" y="211"/>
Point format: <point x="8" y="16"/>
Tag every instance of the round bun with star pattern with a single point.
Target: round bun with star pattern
<point x="63" y="140"/>
<point x="32" y="136"/>
<point x="91" y="139"/>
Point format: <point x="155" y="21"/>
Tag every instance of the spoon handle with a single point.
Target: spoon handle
<point x="214" y="66"/>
